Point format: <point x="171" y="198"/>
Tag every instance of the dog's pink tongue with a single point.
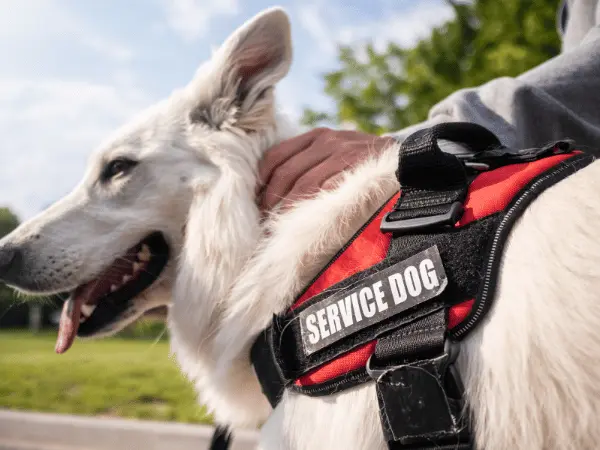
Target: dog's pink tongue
<point x="69" y="319"/>
<point x="69" y="323"/>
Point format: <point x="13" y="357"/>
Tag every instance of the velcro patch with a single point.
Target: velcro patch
<point x="373" y="299"/>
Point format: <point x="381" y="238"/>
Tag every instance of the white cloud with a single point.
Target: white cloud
<point x="115" y="51"/>
<point x="48" y="129"/>
<point x="328" y="23"/>
<point x="404" y="27"/>
<point x="311" y="18"/>
<point x="32" y="22"/>
<point x="33" y="18"/>
<point x="191" y="19"/>
<point x="50" y="124"/>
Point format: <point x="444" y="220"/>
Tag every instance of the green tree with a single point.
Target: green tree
<point x="8" y="221"/>
<point x="486" y="39"/>
<point x="8" y="299"/>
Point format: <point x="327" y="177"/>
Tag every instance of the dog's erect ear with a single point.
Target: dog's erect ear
<point x="244" y="71"/>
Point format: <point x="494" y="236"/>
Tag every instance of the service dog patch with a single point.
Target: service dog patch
<point x="375" y="298"/>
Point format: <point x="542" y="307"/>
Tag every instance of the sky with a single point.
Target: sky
<point x="71" y="71"/>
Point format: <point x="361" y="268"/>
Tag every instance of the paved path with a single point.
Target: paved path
<point x="35" y="431"/>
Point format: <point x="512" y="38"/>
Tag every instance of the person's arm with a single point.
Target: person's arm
<point x="556" y="100"/>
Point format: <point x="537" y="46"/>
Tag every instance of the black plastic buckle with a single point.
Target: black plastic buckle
<point x="447" y="219"/>
<point x="422" y="403"/>
<point x="477" y="166"/>
<point x="473" y="164"/>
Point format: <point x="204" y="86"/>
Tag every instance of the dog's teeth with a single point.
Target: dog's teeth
<point x="137" y="267"/>
<point x="87" y="310"/>
<point x="113" y="288"/>
<point x="126" y="278"/>
<point x="144" y="254"/>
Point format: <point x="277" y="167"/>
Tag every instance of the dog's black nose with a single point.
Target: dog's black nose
<point x="10" y="261"/>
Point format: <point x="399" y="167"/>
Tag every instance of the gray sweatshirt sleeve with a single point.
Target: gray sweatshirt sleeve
<point x="558" y="99"/>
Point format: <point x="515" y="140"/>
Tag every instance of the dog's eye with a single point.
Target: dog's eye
<point x="117" y="167"/>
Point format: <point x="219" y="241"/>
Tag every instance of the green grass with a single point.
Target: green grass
<point x="112" y="377"/>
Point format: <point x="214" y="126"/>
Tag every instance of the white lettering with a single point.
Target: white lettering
<point x="355" y="306"/>
<point x="398" y="289"/>
<point x="322" y="323"/>
<point x="381" y="305"/>
<point x="413" y="283"/>
<point x="346" y="311"/>
<point x="333" y="318"/>
<point x="428" y="274"/>
<point x="374" y="299"/>
<point x="367" y="310"/>
<point x="313" y="337"/>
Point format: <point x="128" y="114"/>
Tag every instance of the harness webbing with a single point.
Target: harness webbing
<point x="392" y="306"/>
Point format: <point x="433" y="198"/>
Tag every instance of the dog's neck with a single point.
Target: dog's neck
<point x="212" y="332"/>
<point x="212" y="260"/>
<point x="237" y="280"/>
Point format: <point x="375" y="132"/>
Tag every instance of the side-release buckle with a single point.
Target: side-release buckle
<point x="422" y="404"/>
<point x="399" y="226"/>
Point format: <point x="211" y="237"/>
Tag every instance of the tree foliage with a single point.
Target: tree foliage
<point x="389" y="90"/>
<point x="8" y="221"/>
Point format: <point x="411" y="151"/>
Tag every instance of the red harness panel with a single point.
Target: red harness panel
<point x="489" y="193"/>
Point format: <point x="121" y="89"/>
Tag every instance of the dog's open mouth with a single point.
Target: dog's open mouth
<point x="99" y="302"/>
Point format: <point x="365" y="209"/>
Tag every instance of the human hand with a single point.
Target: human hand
<point x="298" y="168"/>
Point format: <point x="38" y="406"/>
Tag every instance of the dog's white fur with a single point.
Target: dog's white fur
<point x="530" y="370"/>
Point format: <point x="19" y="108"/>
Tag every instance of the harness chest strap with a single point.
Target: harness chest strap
<point x="394" y="303"/>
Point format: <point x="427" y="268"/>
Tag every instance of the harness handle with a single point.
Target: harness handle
<point x="434" y="183"/>
<point x="475" y="137"/>
<point x="421" y="161"/>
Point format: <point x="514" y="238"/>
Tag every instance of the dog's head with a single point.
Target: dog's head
<point x="114" y="241"/>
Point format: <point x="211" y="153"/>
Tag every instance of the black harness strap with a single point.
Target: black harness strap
<point x="419" y="390"/>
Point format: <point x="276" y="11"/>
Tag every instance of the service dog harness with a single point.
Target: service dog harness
<point x="394" y="304"/>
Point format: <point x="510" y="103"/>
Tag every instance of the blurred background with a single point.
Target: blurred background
<point x="71" y="71"/>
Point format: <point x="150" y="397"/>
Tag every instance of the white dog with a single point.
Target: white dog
<point x="166" y="214"/>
